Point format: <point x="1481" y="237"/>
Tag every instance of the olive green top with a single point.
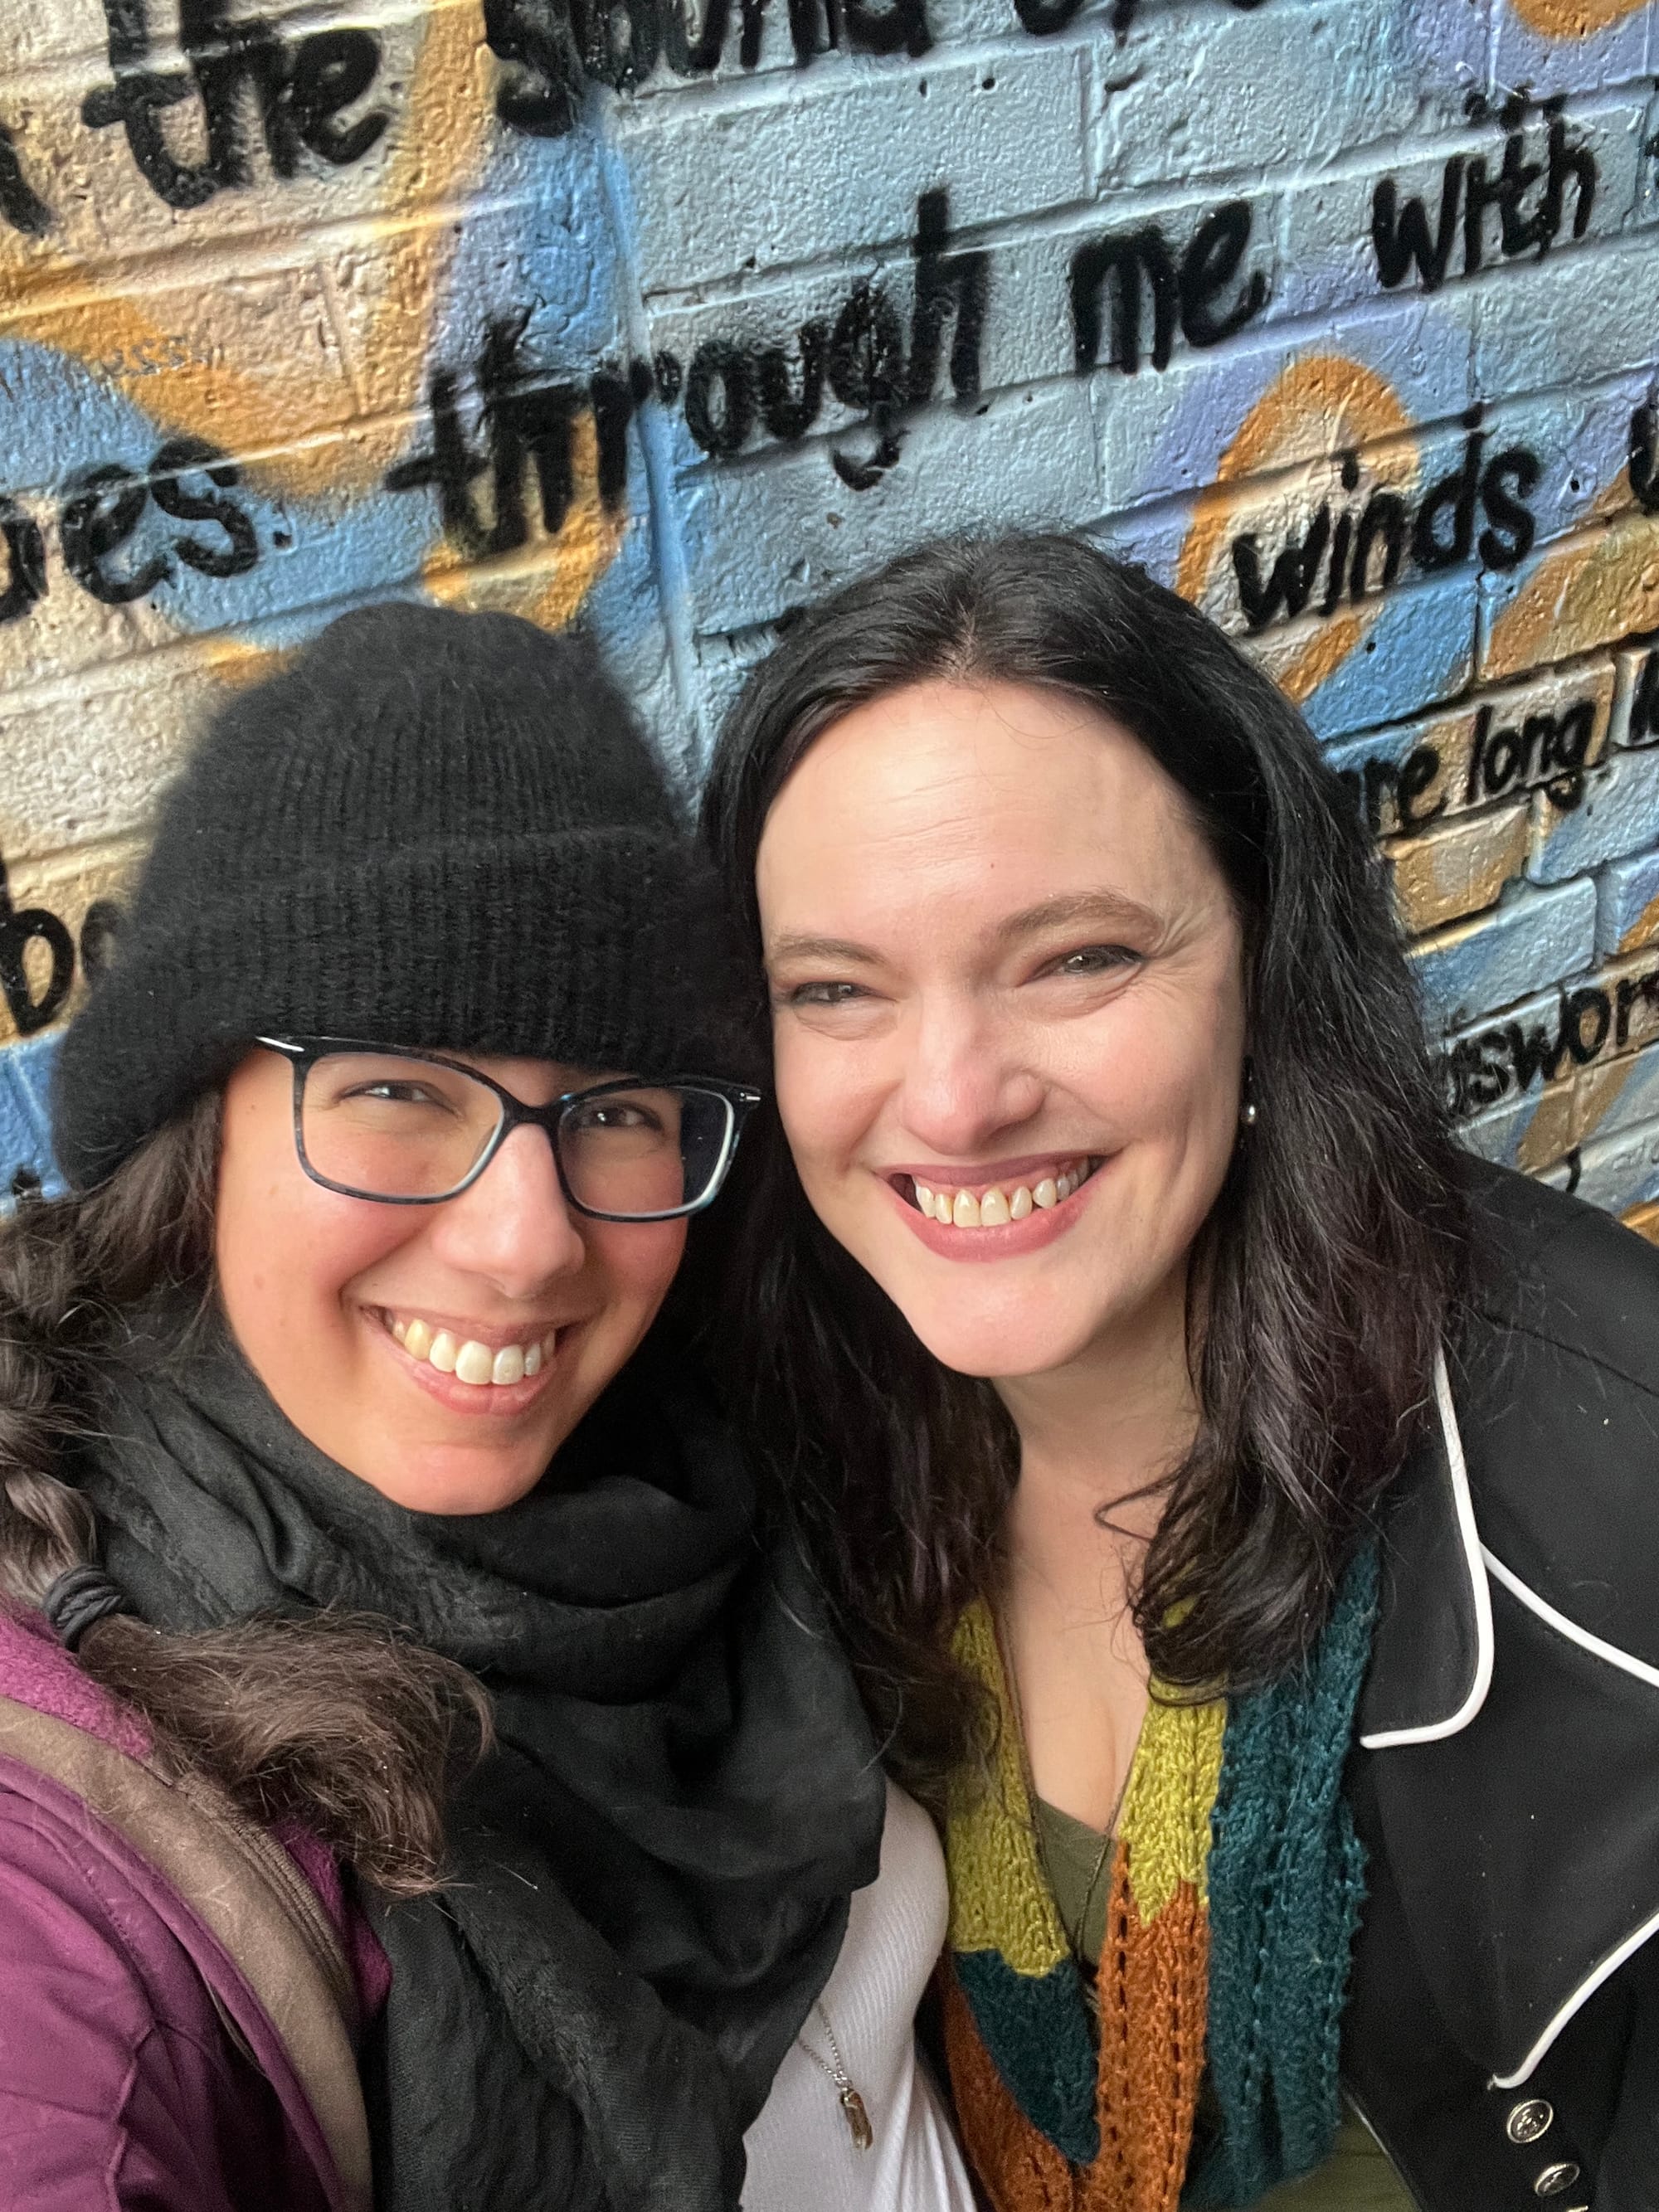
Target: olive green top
<point x="1078" y="1861"/>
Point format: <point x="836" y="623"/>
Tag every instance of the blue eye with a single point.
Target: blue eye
<point x="1095" y="960"/>
<point x="823" y="994"/>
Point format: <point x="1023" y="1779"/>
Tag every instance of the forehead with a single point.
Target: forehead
<point x="967" y="799"/>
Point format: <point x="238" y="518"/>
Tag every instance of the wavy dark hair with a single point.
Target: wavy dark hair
<point x="1331" y="1266"/>
<point x="338" y="1720"/>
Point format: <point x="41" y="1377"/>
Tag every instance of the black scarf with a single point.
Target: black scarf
<point x="651" y="1870"/>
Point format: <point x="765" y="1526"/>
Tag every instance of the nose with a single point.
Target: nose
<point x="514" y="1228"/>
<point x="965" y="1081"/>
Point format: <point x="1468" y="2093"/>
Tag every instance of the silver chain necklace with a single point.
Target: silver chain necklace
<point x="857" y="2114"/>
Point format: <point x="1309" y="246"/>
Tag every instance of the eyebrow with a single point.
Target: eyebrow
<point x="1111" y="907"/>
<point x="822" y="948"/>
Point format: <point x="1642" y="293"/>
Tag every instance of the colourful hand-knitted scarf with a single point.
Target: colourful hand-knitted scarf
<point x="1235" y="1891"/>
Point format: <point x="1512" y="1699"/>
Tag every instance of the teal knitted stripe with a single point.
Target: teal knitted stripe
<point x="1037" y="2029"/>
<point x="1286" y="1883"/>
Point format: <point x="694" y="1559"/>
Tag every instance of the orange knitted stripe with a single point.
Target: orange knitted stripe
<point x="1152" y="1986"/>
<point x="1019" y="2169"/>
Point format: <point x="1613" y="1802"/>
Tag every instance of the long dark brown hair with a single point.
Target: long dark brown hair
<point x="1331" y="1264"/>
<point x="336" y="1720"/>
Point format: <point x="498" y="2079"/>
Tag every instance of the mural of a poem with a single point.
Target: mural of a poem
<point x="1342" y="315"/>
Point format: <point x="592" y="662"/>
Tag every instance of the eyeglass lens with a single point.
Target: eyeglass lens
<point x="387" y="1127"/>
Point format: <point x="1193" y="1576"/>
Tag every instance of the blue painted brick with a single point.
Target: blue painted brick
<point x="25" y="1114"/>
<point x="1522" y="54"/>
<point x="1620" y="1171"/>
<point x="1476" y="967"/>
<point x="1620" y="814"/>
<point x="1627" y="913"/>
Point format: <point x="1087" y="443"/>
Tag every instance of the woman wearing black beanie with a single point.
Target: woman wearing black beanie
<point x="339" y="1387"/>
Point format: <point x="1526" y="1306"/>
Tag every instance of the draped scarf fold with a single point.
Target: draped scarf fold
<point x="651" y="1870"/>
<point x="1236" y="1885"/>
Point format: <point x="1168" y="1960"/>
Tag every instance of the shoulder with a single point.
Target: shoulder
<point x="1551" y="1266"/>
<point x="1556" y="1385"/>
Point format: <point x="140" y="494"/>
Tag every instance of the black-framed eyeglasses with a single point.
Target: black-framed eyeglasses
<point x="413" y="1128"/>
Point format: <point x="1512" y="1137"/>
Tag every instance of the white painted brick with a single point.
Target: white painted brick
<point x="1329" y="259"/>
<point x="783" y="529"/>
<point x="721" y="187"/>
<point x="1567" y="320"/>
<point x="1202" y="94"/>
<point x="1636" y="704"/>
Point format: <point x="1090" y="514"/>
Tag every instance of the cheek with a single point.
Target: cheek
<point x="637" y="1260"/>
<point x="828" y="1097"/>
<point x="286" y="1250"/>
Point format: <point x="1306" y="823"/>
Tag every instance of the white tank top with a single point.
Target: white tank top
<point x="802" y="2156"/>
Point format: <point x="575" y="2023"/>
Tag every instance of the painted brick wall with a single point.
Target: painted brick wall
<point x="1343" y="315"/>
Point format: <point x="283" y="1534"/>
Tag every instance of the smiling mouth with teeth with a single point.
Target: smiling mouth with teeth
<point x="464" y="1358"/>
<point x="992" y="1207"/>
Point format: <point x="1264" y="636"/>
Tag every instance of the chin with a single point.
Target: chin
<point x="993" y="1351"/>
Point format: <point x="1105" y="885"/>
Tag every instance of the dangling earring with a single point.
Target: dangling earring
<point x="1248" y="1115"/>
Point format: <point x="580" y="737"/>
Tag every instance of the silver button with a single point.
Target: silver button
<point x="1528" y="2120"/>
<point x="1553" y="2179"/>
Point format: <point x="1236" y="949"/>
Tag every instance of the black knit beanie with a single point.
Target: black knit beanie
<point x="429" y="829"/>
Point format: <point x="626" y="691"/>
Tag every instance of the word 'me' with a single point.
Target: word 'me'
<point x="1403" y="236"/>
<point x="1187" y="287"/>
<point x="1361" y="550"/>
<point x="98" y="522"/>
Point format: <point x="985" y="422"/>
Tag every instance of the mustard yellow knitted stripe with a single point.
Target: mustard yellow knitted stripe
<point x="999" y="1900"/>
<point x="1164" y="1829"/>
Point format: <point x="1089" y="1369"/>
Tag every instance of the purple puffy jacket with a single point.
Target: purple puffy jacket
<point x="137" y="2069"/>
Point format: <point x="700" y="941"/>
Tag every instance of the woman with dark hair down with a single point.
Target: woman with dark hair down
<point x="1238" y="1504"/>
<point x="344" y="1405"/>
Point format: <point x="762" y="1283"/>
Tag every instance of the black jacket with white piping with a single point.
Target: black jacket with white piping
<point x="1502" y="2034"/>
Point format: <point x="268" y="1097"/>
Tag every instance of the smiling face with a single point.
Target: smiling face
<point x="1007" y="982"/>
<point x="365" y="1322"/>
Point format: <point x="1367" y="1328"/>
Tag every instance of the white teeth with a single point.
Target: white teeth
<point x="470" y="1361"/>
<point x="995" y="1207"/>
<point x="474" y="1362"/>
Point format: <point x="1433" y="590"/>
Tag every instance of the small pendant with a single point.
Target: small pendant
<point x="858" y="2119"/>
